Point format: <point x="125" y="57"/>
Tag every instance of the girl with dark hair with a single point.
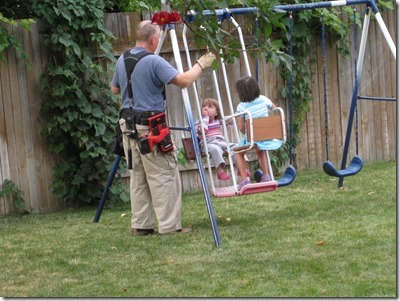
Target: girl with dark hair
<point x="258" y="106"/>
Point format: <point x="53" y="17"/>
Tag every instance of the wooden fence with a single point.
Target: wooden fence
<point x="24" y="156"/>
<point x="25" y="159"/>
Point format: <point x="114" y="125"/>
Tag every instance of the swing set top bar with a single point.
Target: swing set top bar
<point x="306" y="6"/>
<point x="223" y="14"/>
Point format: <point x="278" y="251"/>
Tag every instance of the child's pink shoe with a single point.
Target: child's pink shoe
<point x="223" y="176"/>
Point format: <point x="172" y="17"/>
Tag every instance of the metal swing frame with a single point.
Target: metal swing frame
<point x="191" y="128"/>
<point x="356" y="163"/>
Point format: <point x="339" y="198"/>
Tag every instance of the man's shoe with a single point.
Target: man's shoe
<point x="142" y="232"/>
<point x="180" y="231"/>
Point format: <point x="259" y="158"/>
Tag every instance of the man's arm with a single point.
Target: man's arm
<point x="114" y="90"/>
<point x="185" y="79"/>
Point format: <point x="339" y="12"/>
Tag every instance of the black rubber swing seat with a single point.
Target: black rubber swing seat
<point x="354" y="167"/>
<point x="288" y="177"/>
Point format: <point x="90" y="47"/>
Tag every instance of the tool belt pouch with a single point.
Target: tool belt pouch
<point x="131" y="126"/>
<point x="158" y="123"/>
<point x="145" y="144"/>
<point x="116" y="145"/>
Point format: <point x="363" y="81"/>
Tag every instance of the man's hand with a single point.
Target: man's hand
<point x="206" y="60"/>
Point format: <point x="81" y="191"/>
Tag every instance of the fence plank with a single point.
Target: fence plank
<point x="4" y="162"/>
<point x="312" y="135"/>
<point x="383" y="152"/>
<point x="376" y="136"/>
<point x="18" y="93"/>
<point x="31" y="203"/>
<point x="44" y="200"/>
<point x="7" y="88"/>
<point x="390" y="84"/>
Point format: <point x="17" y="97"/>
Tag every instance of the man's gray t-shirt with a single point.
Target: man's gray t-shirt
<point x="148" y="79"/>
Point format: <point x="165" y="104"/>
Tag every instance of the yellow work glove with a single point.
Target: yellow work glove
<point x="206" y="60"/>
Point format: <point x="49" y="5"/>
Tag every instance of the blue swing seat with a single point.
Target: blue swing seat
<point x="355" y="167"/>
<point x="288" y="177"/>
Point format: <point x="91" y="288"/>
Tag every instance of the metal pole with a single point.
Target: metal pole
<point x="370" y="3"/>
<point x="306" y="6"/>
<point x="246" y="61"/>
<point x="398" y="93"/>
<point x="196" y="96"/>
<point x="107" y="188"/>
<point x="361" y="53"/>
<point x="221" y="13"/>
<point x="185" y="95"/>
<point x="386" y="34"/>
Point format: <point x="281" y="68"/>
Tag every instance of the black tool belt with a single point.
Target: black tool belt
<point x="141" y="118"/>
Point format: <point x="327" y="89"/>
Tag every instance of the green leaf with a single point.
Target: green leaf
<point x="85" y="138"/>
<point x="77" y="49"/>
<point x="78" y="179"/>
<point x="100" y="129"/>
<point x="72" y="116"/>
<point x="66" y="40"/>
<point x="57" y="148"/>
<point x="267" y="30"/>
<point x="97" y="112"/>
<point x="66" y="14"/>
<point x="87" y="109"/>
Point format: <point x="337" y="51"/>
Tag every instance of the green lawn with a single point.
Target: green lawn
<point x="309" y="239"/>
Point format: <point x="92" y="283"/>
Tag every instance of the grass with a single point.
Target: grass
<point x="309" y="239"/>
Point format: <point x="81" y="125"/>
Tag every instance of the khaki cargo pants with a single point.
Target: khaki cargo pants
<point x="154" y="184"/>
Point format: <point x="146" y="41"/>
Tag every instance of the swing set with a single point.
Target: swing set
<point x="356" y="163"/>
<point x="256" y="127"/>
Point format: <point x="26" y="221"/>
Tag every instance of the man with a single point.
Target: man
<point x="154" y="177"/>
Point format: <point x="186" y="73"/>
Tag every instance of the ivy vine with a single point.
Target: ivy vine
<point x="8" y="40"/>
<point x="79" y="109"/>
<point x="9" y="190"/>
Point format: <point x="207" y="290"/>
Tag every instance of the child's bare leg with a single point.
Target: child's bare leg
<point x="241" y="165"/>
<point x="262" y="160"/>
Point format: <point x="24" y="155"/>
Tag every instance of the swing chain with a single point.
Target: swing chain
<point x="355" y="72"/>
<point x="324" y="83"/>
<point x="291" y="90"/>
